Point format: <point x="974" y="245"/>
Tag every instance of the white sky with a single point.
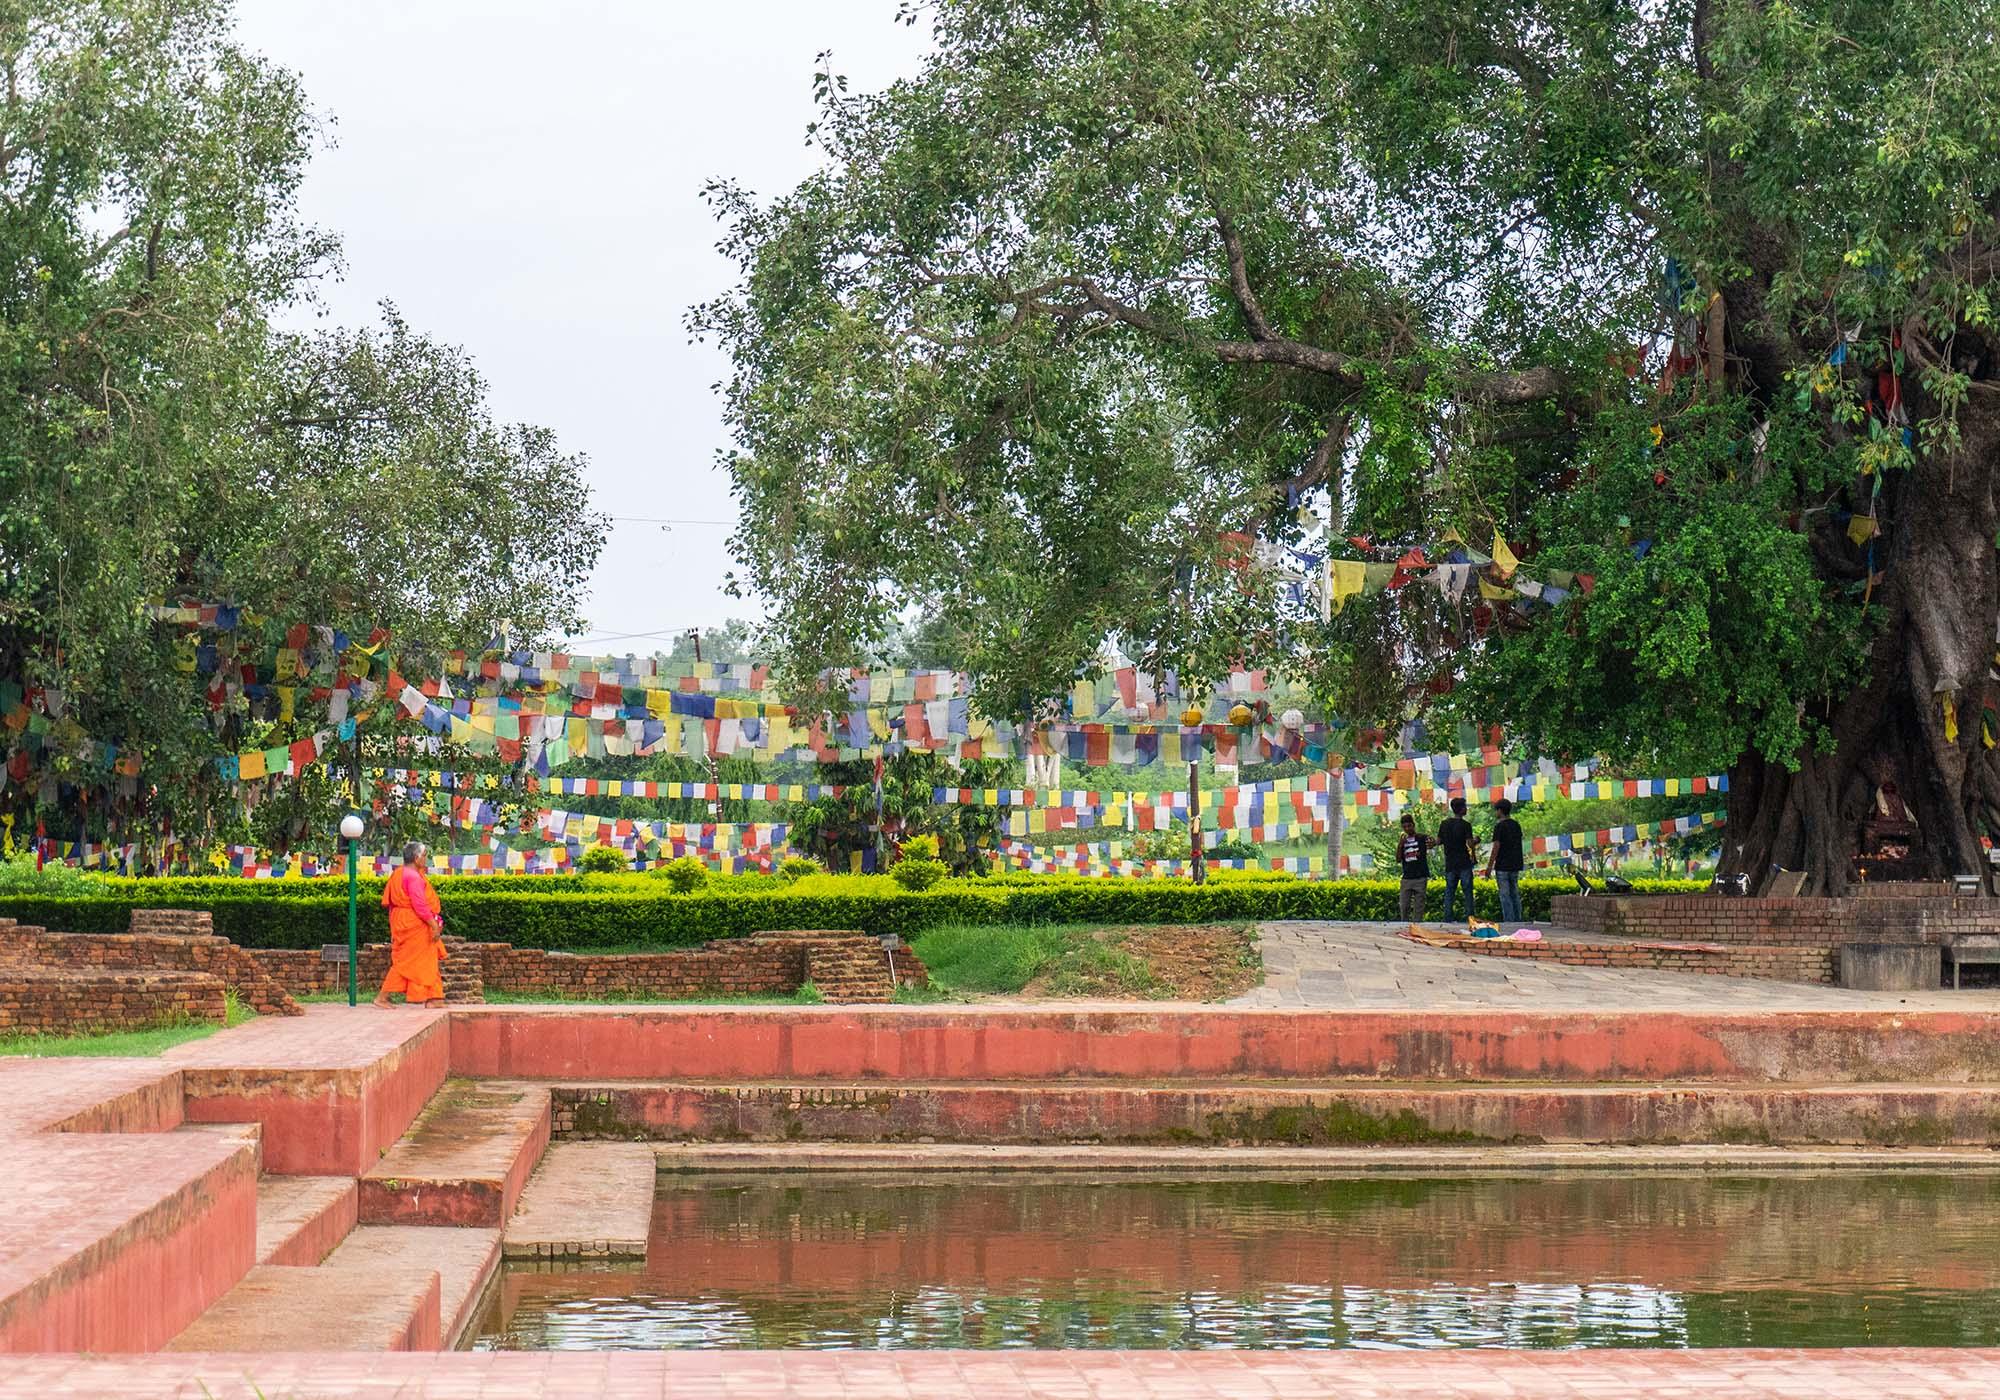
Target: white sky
<point x="522" y="178"/>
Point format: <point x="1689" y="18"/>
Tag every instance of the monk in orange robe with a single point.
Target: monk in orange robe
<point x="416" y="928"/>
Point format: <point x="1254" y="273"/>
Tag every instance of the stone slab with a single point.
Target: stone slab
<point x="465" y="1262"/>
<point x="464" y="1160"/>
<point x="1905" y="1373"/>
<point x="376" y="1308"/>
<point x="586" y="1200"/>
<point x="1891" y="967"/>
<point x="333" y="1088"/>
<point x="301" y="1218"/>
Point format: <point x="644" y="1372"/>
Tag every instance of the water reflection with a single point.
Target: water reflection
<point x="899" y="1263"/>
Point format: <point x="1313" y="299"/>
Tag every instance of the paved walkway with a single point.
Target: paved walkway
<point x="1371" y="966"/>
<point x="1904" y="1374"/>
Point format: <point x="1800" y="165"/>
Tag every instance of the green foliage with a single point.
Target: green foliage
<point x="605" y="860"/>
<point x="685" y="875"/>
<point x="165" y="436"/>
<point x="639" y="915"/>
<point x="915" y="874"/>
<point x="1101" y="283"/>
<point x="18" y="875"/>
<point x="920" y="848"/>
<point x="840" y="826"/>
<point x="796" y="868"/>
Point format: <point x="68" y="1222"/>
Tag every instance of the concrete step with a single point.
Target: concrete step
<point x="121" y="1239"/>
<point x="464" y="1261"/>
<point x="899" y="1044"/>
<point x="465" y="1159"/>
<point x="587" y="1200"/>
<point x="276" y="1308"/>
<point x="301" y="1218"/>
<point x="1336" y="1115"/>
<point x="332" y="1087"/>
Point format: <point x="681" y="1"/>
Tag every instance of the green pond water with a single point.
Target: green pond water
<point x="847" y="1262"/>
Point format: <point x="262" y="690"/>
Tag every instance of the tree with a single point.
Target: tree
<point x="162" y="436"/>
<point x="1690" y="297"/>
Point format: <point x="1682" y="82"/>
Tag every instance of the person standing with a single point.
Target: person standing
<point x="1505" y="860"/>
<point x="1413" y="851"/>
<point x="1460" y="856"/>
<point x="416" y="929"/>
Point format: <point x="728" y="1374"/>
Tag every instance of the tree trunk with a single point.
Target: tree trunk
<point x="1940" y="593"/>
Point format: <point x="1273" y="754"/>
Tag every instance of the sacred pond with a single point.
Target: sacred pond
<point x="1081" y="1261"/>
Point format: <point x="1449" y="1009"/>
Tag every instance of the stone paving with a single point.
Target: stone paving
<point x="1873" y="1374"/>
<point x="586" y="1199"/>
<point x="1371" y="966"/>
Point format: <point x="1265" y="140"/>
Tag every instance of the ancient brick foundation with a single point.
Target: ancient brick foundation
<point x="163" y="940"/>
<point x="44" y="1001"/>
<point x="1925" y="914"/>
<point x="844" y="967"/>
<point x="1786" y="964"/>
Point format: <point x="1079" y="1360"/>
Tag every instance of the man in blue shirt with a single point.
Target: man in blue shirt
<point x="1505" y="862"/>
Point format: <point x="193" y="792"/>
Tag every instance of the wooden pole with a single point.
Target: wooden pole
<point x="1336" y="813"/>
<point x="1194" y="821"/>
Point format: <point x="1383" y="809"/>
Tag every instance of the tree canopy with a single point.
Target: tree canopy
<point x="1691" y="297"/>
<point x="166" y="433"/>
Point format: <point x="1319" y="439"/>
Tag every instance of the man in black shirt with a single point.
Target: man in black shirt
<point x="1505" y="863"/>
<point x="1413" y="852"/>
<point x="1456" y="838"/>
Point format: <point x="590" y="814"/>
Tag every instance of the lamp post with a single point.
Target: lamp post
<point x="351" y="827"/>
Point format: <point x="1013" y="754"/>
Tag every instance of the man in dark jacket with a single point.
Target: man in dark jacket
<point x="1505" y="862"/>
<point x="1460" y="848"/>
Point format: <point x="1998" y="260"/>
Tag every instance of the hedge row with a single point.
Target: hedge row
<point x="582" y="918"/>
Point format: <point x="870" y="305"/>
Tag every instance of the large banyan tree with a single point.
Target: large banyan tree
<point x="1692" y="297"/>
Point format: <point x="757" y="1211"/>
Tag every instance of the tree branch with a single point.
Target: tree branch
<point x="1239" y="281"/>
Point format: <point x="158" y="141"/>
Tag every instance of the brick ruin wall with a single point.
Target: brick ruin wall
<point x="1883" y="916"/>
<point x="1785" y="964"/>
<point x="26" y="947"/>
<point x="42" y="1001"/>
<point x="844" y="966"/>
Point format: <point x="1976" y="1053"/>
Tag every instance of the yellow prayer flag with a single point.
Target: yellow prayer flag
<point x="250" y="764"/>
<point x="1504" y="556"/>
<point x="1348" y="576"/>
<point x="1861" y="529"/>
<point x="1950" y="719"/>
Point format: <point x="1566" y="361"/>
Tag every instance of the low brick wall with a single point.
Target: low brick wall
<point x="25" y="946"/>
<point x="45" y="1001"/>
<point x="844" y="966"/>
<point x="1881" y="917"/>
<point x="1785" y="964"/>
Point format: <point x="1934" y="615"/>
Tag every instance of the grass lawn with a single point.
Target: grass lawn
<point x="150" y="1041"/>
<point x="1209" y="962"/>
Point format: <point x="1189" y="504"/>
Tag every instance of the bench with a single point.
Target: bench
<point x="1971" y="948"/>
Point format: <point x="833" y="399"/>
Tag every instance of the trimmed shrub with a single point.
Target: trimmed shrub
<point x="796" y="868"/>
<point x="603" y="860"/>
<point x="684" y="876"/>
<point x="541" y="911"/>
<point x="918" y="874"/>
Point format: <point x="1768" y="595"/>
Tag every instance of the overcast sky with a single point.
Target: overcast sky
<point x="523" y="179"/>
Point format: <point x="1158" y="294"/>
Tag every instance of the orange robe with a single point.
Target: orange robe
<point x="412" y="902"/>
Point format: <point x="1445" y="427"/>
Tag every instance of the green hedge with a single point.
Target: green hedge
<point x="579" y="916"/>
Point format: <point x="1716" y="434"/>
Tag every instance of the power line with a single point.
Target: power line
<point x="663" y="520"/>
